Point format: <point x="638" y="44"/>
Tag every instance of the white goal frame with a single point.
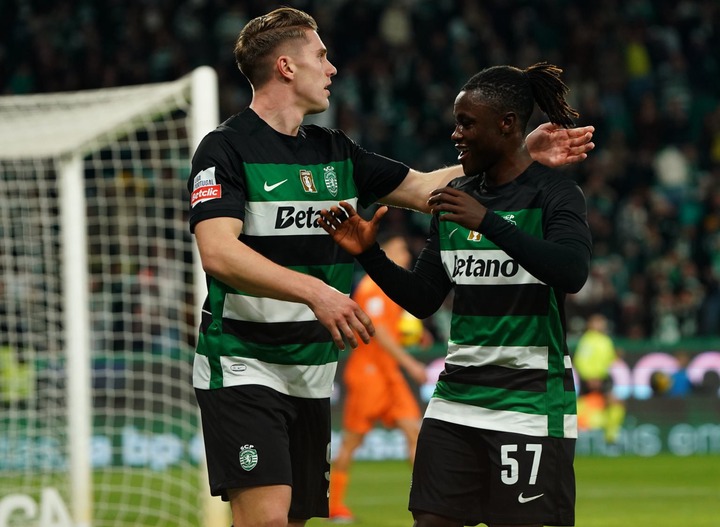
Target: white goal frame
<point x="38" y="135"/>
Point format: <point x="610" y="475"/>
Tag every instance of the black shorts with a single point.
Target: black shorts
<point x="481" y="476"/>
<point x="255" y="436"/>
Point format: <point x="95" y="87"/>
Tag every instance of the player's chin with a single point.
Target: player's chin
<point x="319" y="107"/>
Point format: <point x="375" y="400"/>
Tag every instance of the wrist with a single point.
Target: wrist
<point x="314" y="290"/>
<point x="372" y="251"/>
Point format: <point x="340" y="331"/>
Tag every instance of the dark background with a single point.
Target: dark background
<point x="645" y="73"/>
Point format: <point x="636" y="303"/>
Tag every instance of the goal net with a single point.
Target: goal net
<point x="98" y="294"/>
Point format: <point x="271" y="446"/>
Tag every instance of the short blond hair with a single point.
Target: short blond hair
<point x="263" y="35"/>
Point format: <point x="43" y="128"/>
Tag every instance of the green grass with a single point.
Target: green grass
<point x="662" y="491"/>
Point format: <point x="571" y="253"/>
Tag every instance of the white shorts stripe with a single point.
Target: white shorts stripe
<point x="313" y="382"/>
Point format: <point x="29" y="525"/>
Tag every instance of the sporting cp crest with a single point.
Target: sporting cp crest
<point x="331" y="181"/>
<point x="248" y="457"/>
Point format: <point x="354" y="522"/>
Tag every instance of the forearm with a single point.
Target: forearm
<point x="238" y="266"/>
<point x="420" y="291"/>
<point x="415" y="189"/>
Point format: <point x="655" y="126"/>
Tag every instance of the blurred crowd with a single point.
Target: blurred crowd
<point x="645" y="73"/>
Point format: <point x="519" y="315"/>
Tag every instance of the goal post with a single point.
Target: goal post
<point x="100" y="293"/>
<point x="76" y="324"/>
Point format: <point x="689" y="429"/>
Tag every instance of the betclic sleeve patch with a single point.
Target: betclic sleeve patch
<point x="205" y="187"/>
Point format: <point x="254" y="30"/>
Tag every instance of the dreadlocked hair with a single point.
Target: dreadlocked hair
<point x="507" y="88"/>
<point x="549" y="92"/>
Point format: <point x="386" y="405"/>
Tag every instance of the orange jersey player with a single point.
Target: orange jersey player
<point x="376" y="389"/>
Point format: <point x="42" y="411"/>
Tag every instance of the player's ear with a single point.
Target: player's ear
<point x="508" y="122"/>
<point x="285" y="67"/>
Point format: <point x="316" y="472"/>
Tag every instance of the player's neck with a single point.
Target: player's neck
<point x="278" y="111"/>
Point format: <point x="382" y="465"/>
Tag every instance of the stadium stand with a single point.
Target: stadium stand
<point x="644" y="73"/>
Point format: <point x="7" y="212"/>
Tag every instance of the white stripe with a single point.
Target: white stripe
<point x="201" y="372"/>
<point x="570" y="426"/>
<point x="286" y="218"/>
<point x="261" y="309"/>
<point x="568" y="362"/>
<point x="479" y="263"/>
<point x="478" y="417"/>
<point x="314" y="382"/>
<point x="517" y="357"/>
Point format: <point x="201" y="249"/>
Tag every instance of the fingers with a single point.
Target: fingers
<point x="363" y="326"/>
<point x="349" y="209"/>
<point x="342" y="317"/>
<point x="582" y="141"/>
<point x="349" y="328"/>
<point x="439" y="193"/>
<point x="581" y="131"/>
<point x="444" y="199"/>
<point x="581" y="150"/>
<point x="330" y="220"/>
<point x="337" y="337"/>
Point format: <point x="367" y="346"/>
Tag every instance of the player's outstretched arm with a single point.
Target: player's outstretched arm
<point x="549" y="144"/>
<point x="554" y="146"/>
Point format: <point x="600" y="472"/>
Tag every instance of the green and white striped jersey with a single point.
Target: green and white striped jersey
<point x="277" y="185"/>
<point x="507" y="365"/>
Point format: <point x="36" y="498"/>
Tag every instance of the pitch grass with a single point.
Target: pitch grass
<point x="662" y="491"/>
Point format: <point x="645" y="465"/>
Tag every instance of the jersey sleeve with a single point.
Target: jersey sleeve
<point x="375" y="175"/>
<point x="562" y="258"/>
<point x="217" y="182"/>
<point x="420" y="291"/>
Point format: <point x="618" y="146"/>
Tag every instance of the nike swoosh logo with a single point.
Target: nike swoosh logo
<point x="268" y="188"/>
<point x="452" y="232"/>
<point x="523" y="499"/>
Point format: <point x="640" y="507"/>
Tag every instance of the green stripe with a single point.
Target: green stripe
<point x="257" y="174"/>
<point x="570" y="399"/>
<point x="311" y="354"/>
<point x="499" y="331"/>
<point x="556" y="374"/>
<point x="337" y="275"/>
<point x="528" y="220"/>
<point x="492" y="398"/>
<point x="216" y="376"/>
<point x="216" y="296"/>
<point x="500" y="399"/>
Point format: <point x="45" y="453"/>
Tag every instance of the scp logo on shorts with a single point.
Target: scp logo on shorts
<point x="248" y="457"/>
<point x="205" y="187"/>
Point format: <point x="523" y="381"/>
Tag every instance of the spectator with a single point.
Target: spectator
<point x="657" y="102"/>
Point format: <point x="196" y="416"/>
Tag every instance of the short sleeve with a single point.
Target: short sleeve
<point x="217" y="182"/>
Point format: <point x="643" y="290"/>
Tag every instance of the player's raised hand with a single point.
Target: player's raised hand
<point x="348" y="229"/>
<point x="553" y="146"/>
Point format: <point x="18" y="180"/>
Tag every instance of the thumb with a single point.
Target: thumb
<point x="379" y="214"/>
